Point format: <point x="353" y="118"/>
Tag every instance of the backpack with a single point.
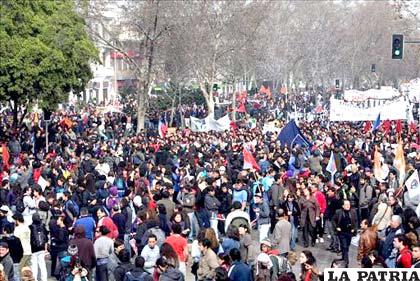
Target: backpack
<point x="156" y="231"/>
<point x="239" y="221"/>
<point x="281" y="263"/>
<point x="131" y="277"/>
<point x="43" y="206"/>
<point x="38" y="236"/>
<point x="20" y="207"/>
<point x="76" y="209"/>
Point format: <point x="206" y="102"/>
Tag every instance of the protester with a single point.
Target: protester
<point x="6" y="261"/>
<point x="39" y="240"/>
<point x="103" y="246"/>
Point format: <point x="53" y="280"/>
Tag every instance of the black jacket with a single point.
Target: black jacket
<point x="15" y="247"/>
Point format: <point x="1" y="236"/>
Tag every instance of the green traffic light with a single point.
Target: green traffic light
<point x="397" y="52"/>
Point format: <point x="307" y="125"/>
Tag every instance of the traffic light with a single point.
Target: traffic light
<point x="373" y="68"/>
<point x="337" y="84"/>
<point x="47" y="114"/>
<point x="397" y="46"/>
<point x="215" y="87"/>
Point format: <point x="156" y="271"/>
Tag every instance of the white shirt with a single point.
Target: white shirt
<point x="24" y="234"/>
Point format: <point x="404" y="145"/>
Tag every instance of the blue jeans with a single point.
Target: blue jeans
<point x="294" y="237"/>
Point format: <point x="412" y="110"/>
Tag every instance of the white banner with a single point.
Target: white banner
<point x="384" y="93"/>
<point x="346" y="111"/>
<point x="210" y="124"/>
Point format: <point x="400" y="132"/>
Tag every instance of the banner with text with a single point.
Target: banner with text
<point x="346" y="111"/>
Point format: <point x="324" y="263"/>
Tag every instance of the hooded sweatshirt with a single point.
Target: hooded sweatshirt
<point x="172" y="274"/>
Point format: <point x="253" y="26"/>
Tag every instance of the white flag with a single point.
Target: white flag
<point x="413" y="185"/>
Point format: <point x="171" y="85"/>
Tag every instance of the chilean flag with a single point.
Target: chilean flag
<point x="162" y="128"/>
<point x="249" y="160"/>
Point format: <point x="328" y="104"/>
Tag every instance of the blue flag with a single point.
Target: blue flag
<point x="290" y="135"/>
<point x="377" y="123"/>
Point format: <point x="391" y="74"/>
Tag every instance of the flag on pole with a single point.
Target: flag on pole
<point x="386" y="126"/>
<point x="413" y="185"/>
<point x="368" y="126"/>
<point x="399" y="162"/>
<point x="398" y="127"/>
<point x="290" y="135"/>
<point x="377" y="123"/>
<point x="378" y="172"/>
<point x="163" y="128"/>
<point x="332" y="167"/>
<point x="249" y="160"/>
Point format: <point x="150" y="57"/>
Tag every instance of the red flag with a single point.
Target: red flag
<point x="398" y="127"/>
<point x="6" y="157"/>
<point x="249" y="160"/>
<point x="368" y="126"/>
<point x="386" y="126"/>
<point x="241" y="108"/>
<point x="413" y="127"/>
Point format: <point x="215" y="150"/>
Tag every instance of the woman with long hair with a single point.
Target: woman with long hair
<point x="310" y="213"/>
<point x="232" y="239"/>
<point x="309" y="271"/>
<point x="168" y="252"/>
<point x="211" y="235"/>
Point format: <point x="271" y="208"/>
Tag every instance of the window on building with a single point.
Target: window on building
<point x="105" y="94"/>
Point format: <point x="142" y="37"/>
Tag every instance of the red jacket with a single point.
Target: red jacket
<point x="322" y="202"/>
<point x="404" y="258"/>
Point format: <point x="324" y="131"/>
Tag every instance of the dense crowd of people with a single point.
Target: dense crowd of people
<point x="102" y="203"/>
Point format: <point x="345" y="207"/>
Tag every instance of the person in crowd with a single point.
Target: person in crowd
<point x="322" y="203"/>
<point x="6" y="261"/>
<point x="104" y="220"/>
<point x="404" y="258"/>
<point x="383" y="214"/>
<point x="309" y="215"/>
<point x="168" y="203"/>
<point x="282" y="234"/>
<point x="208" y="261"/>
<point x="238" y="271"/>
<point x="39" y="240"/>
<point x="114" y="258"/>
<point x="85" y="248"/>
<point x="232" y="239"/>
<point x="59" y="238"/>
<point x="368" y="239"/>
<point x="238" y="215"/>
<point x="28" y="205"/>
<point x="245" y="243"/>
<point x="180" y="246"/>
<point x="345" y="221"/>
<point x="392" y="230"/>
<point x="292" y="212"/>
<point x="87" y="222"/>
<point x="333" y="204"/>
<point x="262" y="211"/>
<point x="167" y="272"/>
<point x="138" y="272"/>
<point x="124" y="266"/>
<point x="365" y="197"/>
<point x="15" y="248"/>
<point x="150" y="254"/>
<point x="309" y="271"/>
<point x="168" y="252"/>
<point x="23" y="233"/>
<point x="103" y="247"/>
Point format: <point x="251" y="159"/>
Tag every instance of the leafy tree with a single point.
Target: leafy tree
<point x="45" y="53"/>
